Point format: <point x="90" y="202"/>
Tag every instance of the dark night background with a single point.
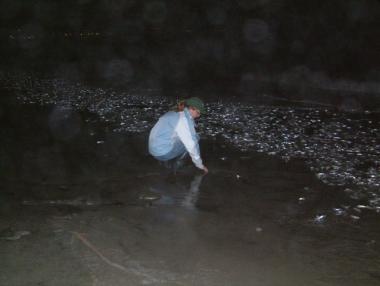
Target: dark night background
<point x="327" y="51"/>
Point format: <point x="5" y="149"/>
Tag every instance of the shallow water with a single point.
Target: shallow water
<point x="341" y="149"/>
<point x="254" y="219"/>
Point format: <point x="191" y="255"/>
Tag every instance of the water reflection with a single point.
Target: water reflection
<point x="175" y="191"/>
<point x="191" y="198"/>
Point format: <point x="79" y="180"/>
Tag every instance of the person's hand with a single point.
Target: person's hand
<point x="205" y="170"/>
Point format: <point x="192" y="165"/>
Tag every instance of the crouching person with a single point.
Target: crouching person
<point x="174" y="135"/>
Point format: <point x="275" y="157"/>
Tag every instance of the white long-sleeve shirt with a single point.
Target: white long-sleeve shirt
<point x="183" y="131"/>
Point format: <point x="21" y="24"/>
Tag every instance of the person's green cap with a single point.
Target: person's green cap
<point x="197" y="103"/>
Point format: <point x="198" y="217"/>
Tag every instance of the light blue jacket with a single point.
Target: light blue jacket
<point x="173" y="135"/>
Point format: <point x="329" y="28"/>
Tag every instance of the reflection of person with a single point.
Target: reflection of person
<point x="191" y="198"/>
<point x="174" y="134"/>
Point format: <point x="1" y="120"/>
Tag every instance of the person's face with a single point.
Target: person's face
<point x="194" y="112"/>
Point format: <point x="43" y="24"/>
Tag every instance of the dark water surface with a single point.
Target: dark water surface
<point x="340" y="145"/>
<point x="75" y="210"/>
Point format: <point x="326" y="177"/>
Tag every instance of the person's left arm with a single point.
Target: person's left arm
<point x="184" y="134"/>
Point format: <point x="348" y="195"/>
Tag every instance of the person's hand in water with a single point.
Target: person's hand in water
<point x="205" y="170"/>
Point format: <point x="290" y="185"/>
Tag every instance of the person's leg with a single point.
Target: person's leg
<point x="175" y="158"/>
<point x="179" y="161"/>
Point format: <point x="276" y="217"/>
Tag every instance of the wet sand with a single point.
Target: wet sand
<point x="83" y="196"/>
